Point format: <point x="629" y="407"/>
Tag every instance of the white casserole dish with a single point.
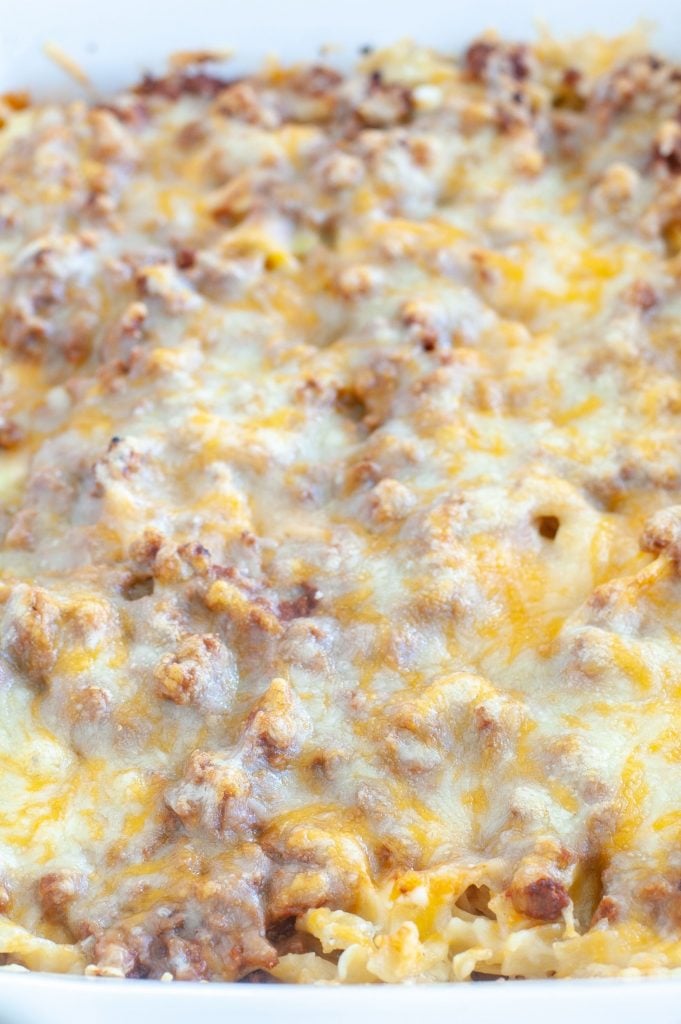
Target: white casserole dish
<point x="114" y="43"/>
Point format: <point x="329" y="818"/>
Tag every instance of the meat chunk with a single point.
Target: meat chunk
<point x="667" y="147"/>
<point x="385" y="104"/>
<point x="301" y="606"/>
<point x="278" y="725"/>
<point x="243" y="101"/>
<point x="537" y="890"/>
<point x="662" y="533"/>
<point x="487" y="56"/>
<point x="390" y="501"/>
<point x="122" y="461"/>
<point x="57" y="890"/>
<point x="226" y="598"/>
<point x="89" y="705"/>
<point x="30" y="631"/>
<point x="215" y="796"/>
<point x="616" y="187"/>
<point x="544" y="899"/>
<point x="506" y="70"/>
<point x="202" y="671"/>
<point x="11" y="434"/>
<point x="212" y="929"/>
<point x="318" y="867"/>
<point x="233" y="796"/>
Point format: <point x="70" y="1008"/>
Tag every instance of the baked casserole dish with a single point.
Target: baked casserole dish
<point x="340" y="571"/>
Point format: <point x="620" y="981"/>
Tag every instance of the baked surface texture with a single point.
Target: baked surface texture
<point x="340" y="479"/>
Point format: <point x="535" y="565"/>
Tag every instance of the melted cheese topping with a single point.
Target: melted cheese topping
<point x="341" y="523"/>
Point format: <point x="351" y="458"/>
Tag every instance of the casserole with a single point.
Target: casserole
<point x="167" y="677"/>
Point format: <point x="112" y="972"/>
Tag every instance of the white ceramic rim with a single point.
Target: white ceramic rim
<point x="114" y="41"/>
<point x="39" y="999"/>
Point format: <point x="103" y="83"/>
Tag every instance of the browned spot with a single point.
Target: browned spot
<point x="89" y="704"/>
<point x="607" y="910"/>
<point x="547" y="526"/>
<point x="286" y="939"/>
<point x="515" y="60"/>
<point x="476" y="59"/>
<point x="196" y="555"/>
<point x="363" y="472"/>
<point x="542" y="899"/>
<point x="568" y="95"/>
<point x="144" y="549"/>
<point x="662" y="899"/>
<point x="642" y="295"/>
<point x="185" y="259"/>
<point x="171" y="87"/>
<point x="387" y="859"/>
<point x="667" y="148"/>
<point x="11" y="433"/>
<point x="57" y="890"/>
<point x="131" y="113"/>
<point x="230" y="572"/>
<point x="77" y="347"/>
<point x="317" y="80"/>
<point x="16" y="100"/>
<point x="302" y="605"/>
<point x="349" y="404"/>
<point x="671" y="233"/>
